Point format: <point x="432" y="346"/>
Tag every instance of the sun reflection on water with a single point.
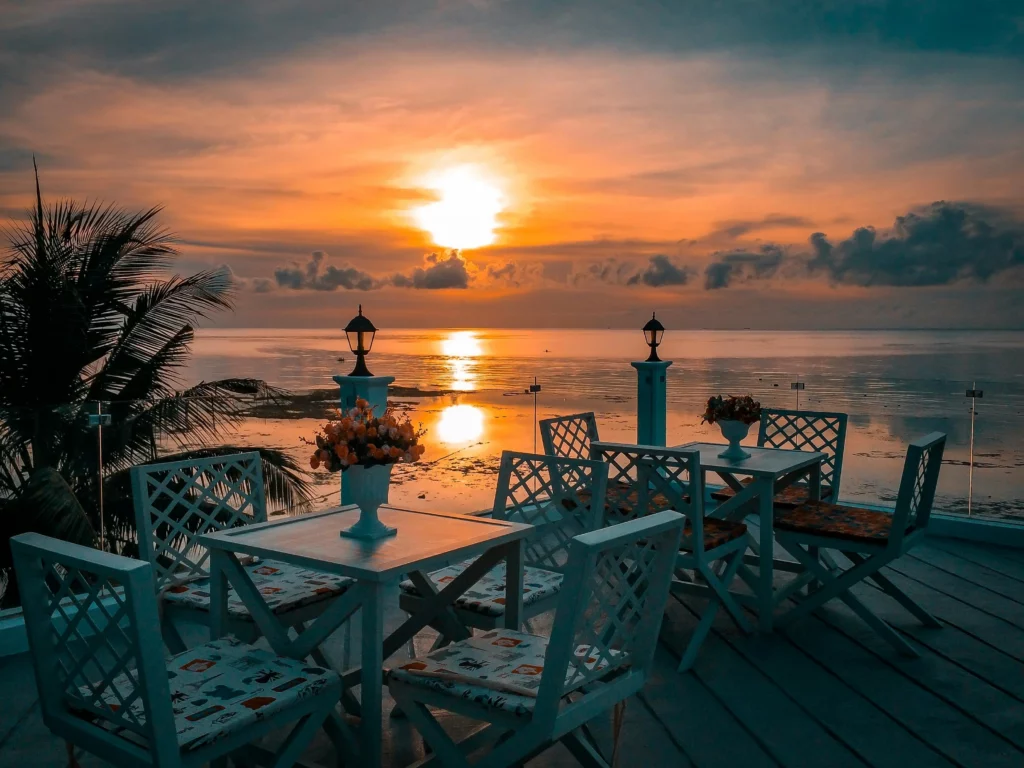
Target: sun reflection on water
<point x="460" y="424"/>
<point x="461" y="348"/>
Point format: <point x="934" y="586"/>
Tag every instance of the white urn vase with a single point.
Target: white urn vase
<point x="368" y="490"/>
<point x="734" y="432"/>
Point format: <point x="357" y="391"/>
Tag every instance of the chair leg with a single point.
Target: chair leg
<point x="441" y="744"/>
<point x="724" y="596"/>
<point x="906" y="601"/>
<point x="172" y="638"/>
<point x="882" y="628"/>
<point x="697" y="638"/>
<point x="297" y="741"/>
<point x="581" y="749"/>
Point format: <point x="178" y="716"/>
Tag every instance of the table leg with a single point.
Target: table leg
<point x="370" y="684"/>
<point x="766" y="572"/>
<point x="514" y="585"/>
<point x="218" y="593"/>
<point x="814" y="484"/>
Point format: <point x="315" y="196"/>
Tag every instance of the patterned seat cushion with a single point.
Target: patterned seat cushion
<point x="789" y="497"/>
<point x="284" y="588"/>
<point x="501" y="669"/>
<point x="716" y="533"/>
<point x="223" y="686"/>
<point x="837" y="521"/>
<point x="624" y="500"/>
<point x="487" y="596"/>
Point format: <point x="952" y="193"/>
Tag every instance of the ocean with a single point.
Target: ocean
<point x="468" y="389"/>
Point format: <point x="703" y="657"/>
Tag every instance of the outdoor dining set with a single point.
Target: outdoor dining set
<point x="598" y="535"/>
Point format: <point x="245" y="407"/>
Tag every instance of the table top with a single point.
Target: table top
<point x="763" y="462"/>
<point x="424" y="540"/>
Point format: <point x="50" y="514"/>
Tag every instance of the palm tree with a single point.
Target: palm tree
<point x="88" y="316"/>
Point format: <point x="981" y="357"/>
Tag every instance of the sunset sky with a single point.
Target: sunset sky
<point x="765" y="164"/>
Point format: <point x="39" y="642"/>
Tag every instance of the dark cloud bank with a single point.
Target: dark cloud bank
<point x="939" y="244"/>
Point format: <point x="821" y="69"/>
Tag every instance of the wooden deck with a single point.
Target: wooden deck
<point x="826" y="693"/>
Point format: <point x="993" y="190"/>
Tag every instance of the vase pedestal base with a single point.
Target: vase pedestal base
<point x="368" y="530"/>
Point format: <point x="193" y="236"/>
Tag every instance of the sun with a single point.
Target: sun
<point x="466" y="216"/>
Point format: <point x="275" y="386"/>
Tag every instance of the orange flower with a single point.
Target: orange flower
<point x="341" y="450"/>
<point x="371" y="431"/>
<point x="324" y="456"/>
<point x="314" y="461"/>
<point x="361" y="403"/>
<point x="360" y="430"/>
<point x="396" y="452"/>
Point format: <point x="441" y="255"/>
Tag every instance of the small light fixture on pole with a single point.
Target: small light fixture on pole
<point x="360" y="332"/>
<point x="653" y="333"/>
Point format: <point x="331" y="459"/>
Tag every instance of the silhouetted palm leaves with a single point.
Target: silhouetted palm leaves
<point x="88" y="315"/>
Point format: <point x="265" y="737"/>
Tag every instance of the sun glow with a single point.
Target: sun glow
<point x="460" y="424"/>
<point x="466" y="216"/>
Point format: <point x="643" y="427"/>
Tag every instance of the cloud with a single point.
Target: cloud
<point x="742" y="266"/>
<point x="739" y="227"/>
<point x="255" y="284"/>
<point x="318" y="275"/>
<point x="438" y="272"/>
<point x="937" y="245"/>
<point x="661" y="271"/>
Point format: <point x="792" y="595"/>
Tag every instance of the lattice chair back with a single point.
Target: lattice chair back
<point x="569" y="436"/>
<point x="643" y="479"/>
<point x="612" y="602"/>
<point x="94" y="636"/>
<point x="808" y="431"/>
<point x="561" y="498"/>
<point x="917" y="486"/>
<point x="177" y="502"/>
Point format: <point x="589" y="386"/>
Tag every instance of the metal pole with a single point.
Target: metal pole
<point x="970" y="470"/>
<point x="99" y="464"/>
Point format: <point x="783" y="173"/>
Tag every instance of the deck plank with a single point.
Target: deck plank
<point x="988" y="706"/>
<point x="998" y="559"/>
<point x="979" y="575"/>
<point x="783" y="728"/>
<point x="981" y="598"/>
<point x="864" y="728"/>
<point x="931" y="719"/>
<point x="951" y="642"/>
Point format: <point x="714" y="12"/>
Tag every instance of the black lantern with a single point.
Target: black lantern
<point x="360" y="332"/>
<point x="653" y="333"/>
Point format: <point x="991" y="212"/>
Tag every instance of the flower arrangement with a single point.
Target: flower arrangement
<point x="743" y="409"/>
<point x="358" y="438"/>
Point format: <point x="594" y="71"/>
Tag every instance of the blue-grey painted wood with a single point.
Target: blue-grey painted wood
<point x="113" y="678"/>
<point x="1008" y="562"/>
<point x="775" y="720"/>
<point x="820" y="431"/>
<point x="570" y="436"/>
<point x="848" y="717"/>
<point x="978" y="575"/>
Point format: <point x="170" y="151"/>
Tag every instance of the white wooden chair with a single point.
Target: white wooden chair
<point x="177" y="502"/>
<point x="535" y="691"/>
<point x="869" y="539"/>
<point x="645" y="479"/>
<point x="561" y="498"/>
<point x="105" y="686"/>
<point x="820" y="431"/>
<point x="569" y="436"/>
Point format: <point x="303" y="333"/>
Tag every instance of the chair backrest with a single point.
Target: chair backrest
<point x="917" y="486"/>
<point x="610" y="608"/>
<point x="569" y="436"/>
<point x="808" y="431"/>
<point x="94" y="637"/>
<point x="649" y="478"/>
<point x="176" y="502"/>
<point x="561" y="498"/>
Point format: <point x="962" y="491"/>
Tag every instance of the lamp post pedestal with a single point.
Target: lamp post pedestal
<point x="374" y="390"/>
<point x="651" y="401"/>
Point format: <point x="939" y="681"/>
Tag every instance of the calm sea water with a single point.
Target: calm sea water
<point x="895" y="385"/>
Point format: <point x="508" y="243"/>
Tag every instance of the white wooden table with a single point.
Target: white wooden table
<point x="772" y="469"/>
<point x="425" y="542"/>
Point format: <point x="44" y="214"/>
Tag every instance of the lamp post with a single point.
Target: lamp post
<point x="360" y="383"/>
<point x="360" y="332"/>
<point x="654" y="331"/>
<point x="651" y="375"/>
